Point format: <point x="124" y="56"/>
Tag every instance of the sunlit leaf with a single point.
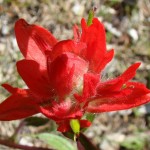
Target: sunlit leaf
<point x="57" y="142"/>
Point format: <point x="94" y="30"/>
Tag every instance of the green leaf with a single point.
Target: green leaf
<point x="56" y="142"/>
<point x="134" y="143"/>
<point x="90" y="117"/>
<point x="36" y="121"/>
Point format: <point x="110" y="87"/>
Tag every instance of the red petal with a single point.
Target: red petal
<point x="89" y="88"/>
<point x="134" y="94"/>
<point x="77" y="34"/>
<point x="107" y="58"/>
<point x="138" y="89"/>
<point x="85" y="123"/>
<point x="35" y="77"/>
<point x="10" y="88"/>
<point x="130" y="72"/>
<point x="117" y="83"/>
<point x="65" y="72"/>
<point x="67" y="46"/>
<point x="33" y="41"/>
<point x="17" y="106"/>
<point x="64" y="126"/>
<point x="94" y="37"/>
<point x="61" y="111"/>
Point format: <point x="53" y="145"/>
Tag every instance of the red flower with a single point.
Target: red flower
<point x="63" y="77"/>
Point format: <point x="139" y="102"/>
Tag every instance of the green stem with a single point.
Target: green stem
<point x="90" y="17"/>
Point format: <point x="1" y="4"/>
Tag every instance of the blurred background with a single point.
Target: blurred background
<point x="127" y="24"/>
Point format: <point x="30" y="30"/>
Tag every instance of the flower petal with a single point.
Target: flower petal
<point x="33" y="41"/>
<point x="64" y="126"/>
<point x="67" y="46"/>
<point x="134" y="94"/>
<point x="94" y="37"/>
<point x="66" y="72"/>
<point x="9" y="88"/>
<point x="117" y="83"/>
<point x="61" y="111"/>
<point x="85" y="123"/>
<point x="35" y="77"/>
<point x="89" y="87"/>
<point x="77" y="34"/>
<point x="130" y="72"/>
<point x="106" y="59"/>
<point x="19" y="105"/>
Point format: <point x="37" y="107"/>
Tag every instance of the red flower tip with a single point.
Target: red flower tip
<point x="64" y="127"/>
<point x="85" y="123"/>
<point x="9" y="88"/>
<point x="21" y="23"/>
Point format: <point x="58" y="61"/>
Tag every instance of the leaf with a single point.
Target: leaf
<point x="133" y="143"/>
<point x="56" y="142"/>
<point x="36" y="121"/>
<point x="90" y="116"/>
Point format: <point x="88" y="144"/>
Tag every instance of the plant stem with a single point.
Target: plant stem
<point x="20" y="126"/>
<point x="23" y="147"/>
<point x="85" y="142"/>
<point x="79" y="145"/>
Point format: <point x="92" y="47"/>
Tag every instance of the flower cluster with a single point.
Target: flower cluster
<point x="64" y="77"/>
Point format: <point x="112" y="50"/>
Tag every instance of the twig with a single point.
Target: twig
<point x="23" y="147"/>
<point x="20" y="126"/>
<point x="79" y="145"/>
<point x="86" y="143"/>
